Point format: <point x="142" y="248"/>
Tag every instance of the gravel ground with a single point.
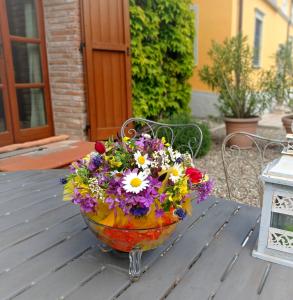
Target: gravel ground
<point x="212" y="164"/>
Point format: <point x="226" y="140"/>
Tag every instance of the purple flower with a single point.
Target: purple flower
<point x="159" y="213"/>
<point x="95" y="162"/>
<point x="162" y="197"/>
<point x="140" y="143"/>
<point x="139" y="211"/>
<point x="204" y="190"/>
<point x="181" y="213"/>
<point x="63" y="180"/>
<point x="87" y="203"/>
<point x="111" y="202"/>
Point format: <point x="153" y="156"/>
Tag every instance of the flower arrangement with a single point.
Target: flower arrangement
<point x="135" y="183"/>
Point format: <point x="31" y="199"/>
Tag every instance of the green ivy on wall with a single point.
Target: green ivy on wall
<point x="162" y="33"/>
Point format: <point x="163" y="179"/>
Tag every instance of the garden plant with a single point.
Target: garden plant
<point x="162" y="34"/>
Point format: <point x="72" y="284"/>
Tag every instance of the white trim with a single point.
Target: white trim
<point x="259" y="16"/>
<point x="270" y="255"/>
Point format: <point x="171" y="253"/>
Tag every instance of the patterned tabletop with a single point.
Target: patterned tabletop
<point x="47" y="252"/>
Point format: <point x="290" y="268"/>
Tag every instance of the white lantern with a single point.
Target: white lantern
<point x="275" y="241"/>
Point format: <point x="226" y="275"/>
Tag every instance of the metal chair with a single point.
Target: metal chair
<point x="243" y="167"/>
<point x="134" y="127"/>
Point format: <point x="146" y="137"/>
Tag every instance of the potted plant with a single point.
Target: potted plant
<point x="279" y="83"/>
<point x="132" y="193"/>
<point x="288" y="122"/>
<point x="242" y="95"/>
<point x="284" y="81"/>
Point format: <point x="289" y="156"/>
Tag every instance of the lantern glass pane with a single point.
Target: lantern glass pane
<point x="281" y="221"/>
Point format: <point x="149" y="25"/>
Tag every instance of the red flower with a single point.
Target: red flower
<point x="99" y="146"/>
<point x="194" y="174"/>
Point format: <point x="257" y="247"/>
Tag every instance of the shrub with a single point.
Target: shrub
<point x="185" y="135"/>
<point x="242" y="93"/>
<point x="162" y="33"/>
<point x="279" y="80"/>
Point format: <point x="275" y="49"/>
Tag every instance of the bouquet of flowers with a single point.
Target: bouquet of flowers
<point x="135" y="183"/>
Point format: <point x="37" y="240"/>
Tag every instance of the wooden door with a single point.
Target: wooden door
<point x="24" y="67"/>
<point x="6" y="134"/>
<point x="107" y="62"/>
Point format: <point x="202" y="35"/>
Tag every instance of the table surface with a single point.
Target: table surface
<point x="47" y="252"/>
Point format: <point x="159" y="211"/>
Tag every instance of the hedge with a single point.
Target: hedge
<point x="162" y="33"/>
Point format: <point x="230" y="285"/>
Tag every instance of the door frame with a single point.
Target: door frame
<point x="26" y="134"/>
<point x="6" y="137"/>
<point x="88" y="67"/>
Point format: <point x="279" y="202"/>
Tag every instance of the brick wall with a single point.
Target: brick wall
<point x="63" y="35"/>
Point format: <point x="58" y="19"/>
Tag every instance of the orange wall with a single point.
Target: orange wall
<point x="218" y="19"/>
<point x="214" y="23"/>
<point x="274" y="30"/>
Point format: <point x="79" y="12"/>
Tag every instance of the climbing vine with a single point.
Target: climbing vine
<point x="162" y="33"/>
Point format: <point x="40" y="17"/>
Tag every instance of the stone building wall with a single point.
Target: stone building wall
<point x="66" y="72"/>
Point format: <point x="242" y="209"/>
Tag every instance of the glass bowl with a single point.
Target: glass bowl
<point x="132" y="241"/>
<point x="125" y="239"/>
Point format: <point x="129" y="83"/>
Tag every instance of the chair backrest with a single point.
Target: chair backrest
<point x="243" y="167"/>
<point x="173" y="133"/>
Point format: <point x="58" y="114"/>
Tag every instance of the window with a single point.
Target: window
<point x="284" y="7"/>
<point x="257" y="38"/>
<point x="25" y="108"/>
<point x="195" y="42"/>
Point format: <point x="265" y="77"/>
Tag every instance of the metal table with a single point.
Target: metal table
<point x="47" y="252"/>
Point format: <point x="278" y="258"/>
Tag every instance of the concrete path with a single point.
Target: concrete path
<point x="273" y="120"/>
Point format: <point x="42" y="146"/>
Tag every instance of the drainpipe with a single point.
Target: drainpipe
<point x="240" y="14"/>
<point x="289" y="21"/>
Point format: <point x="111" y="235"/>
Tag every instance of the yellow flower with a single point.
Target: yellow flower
<point x="163" y="139"/>
<point x="113" y="162"/>
<point x="183" y="190"/>
<point x="126" y="139"/>
<point x="205" y="179"/>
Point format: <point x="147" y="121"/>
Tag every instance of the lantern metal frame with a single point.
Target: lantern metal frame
<point x="275" y="242"/>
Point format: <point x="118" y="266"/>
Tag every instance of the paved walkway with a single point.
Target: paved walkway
<point x="272" y="120"/>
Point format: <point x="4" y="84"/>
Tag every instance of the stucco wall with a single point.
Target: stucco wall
<point x="218" y="20"/>
<point x="274" y="30"/>
<point x="214" y="23"/>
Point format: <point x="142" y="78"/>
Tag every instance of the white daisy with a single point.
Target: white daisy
<point x="141" y="160"/>
<point x="176" y="172"/>
<point x="146" y="135"/>
<point x="135" y="183"/>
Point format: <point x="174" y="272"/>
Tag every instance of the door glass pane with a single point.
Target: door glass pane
<point x="31" y="108"/>
<point x="2" y="115"/>
<point x="22" y="18"/>
<point x="27" y="62"/>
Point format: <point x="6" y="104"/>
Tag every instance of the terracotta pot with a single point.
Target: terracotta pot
<point x="287" y="123"/>
<point x="235" y="125"/>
